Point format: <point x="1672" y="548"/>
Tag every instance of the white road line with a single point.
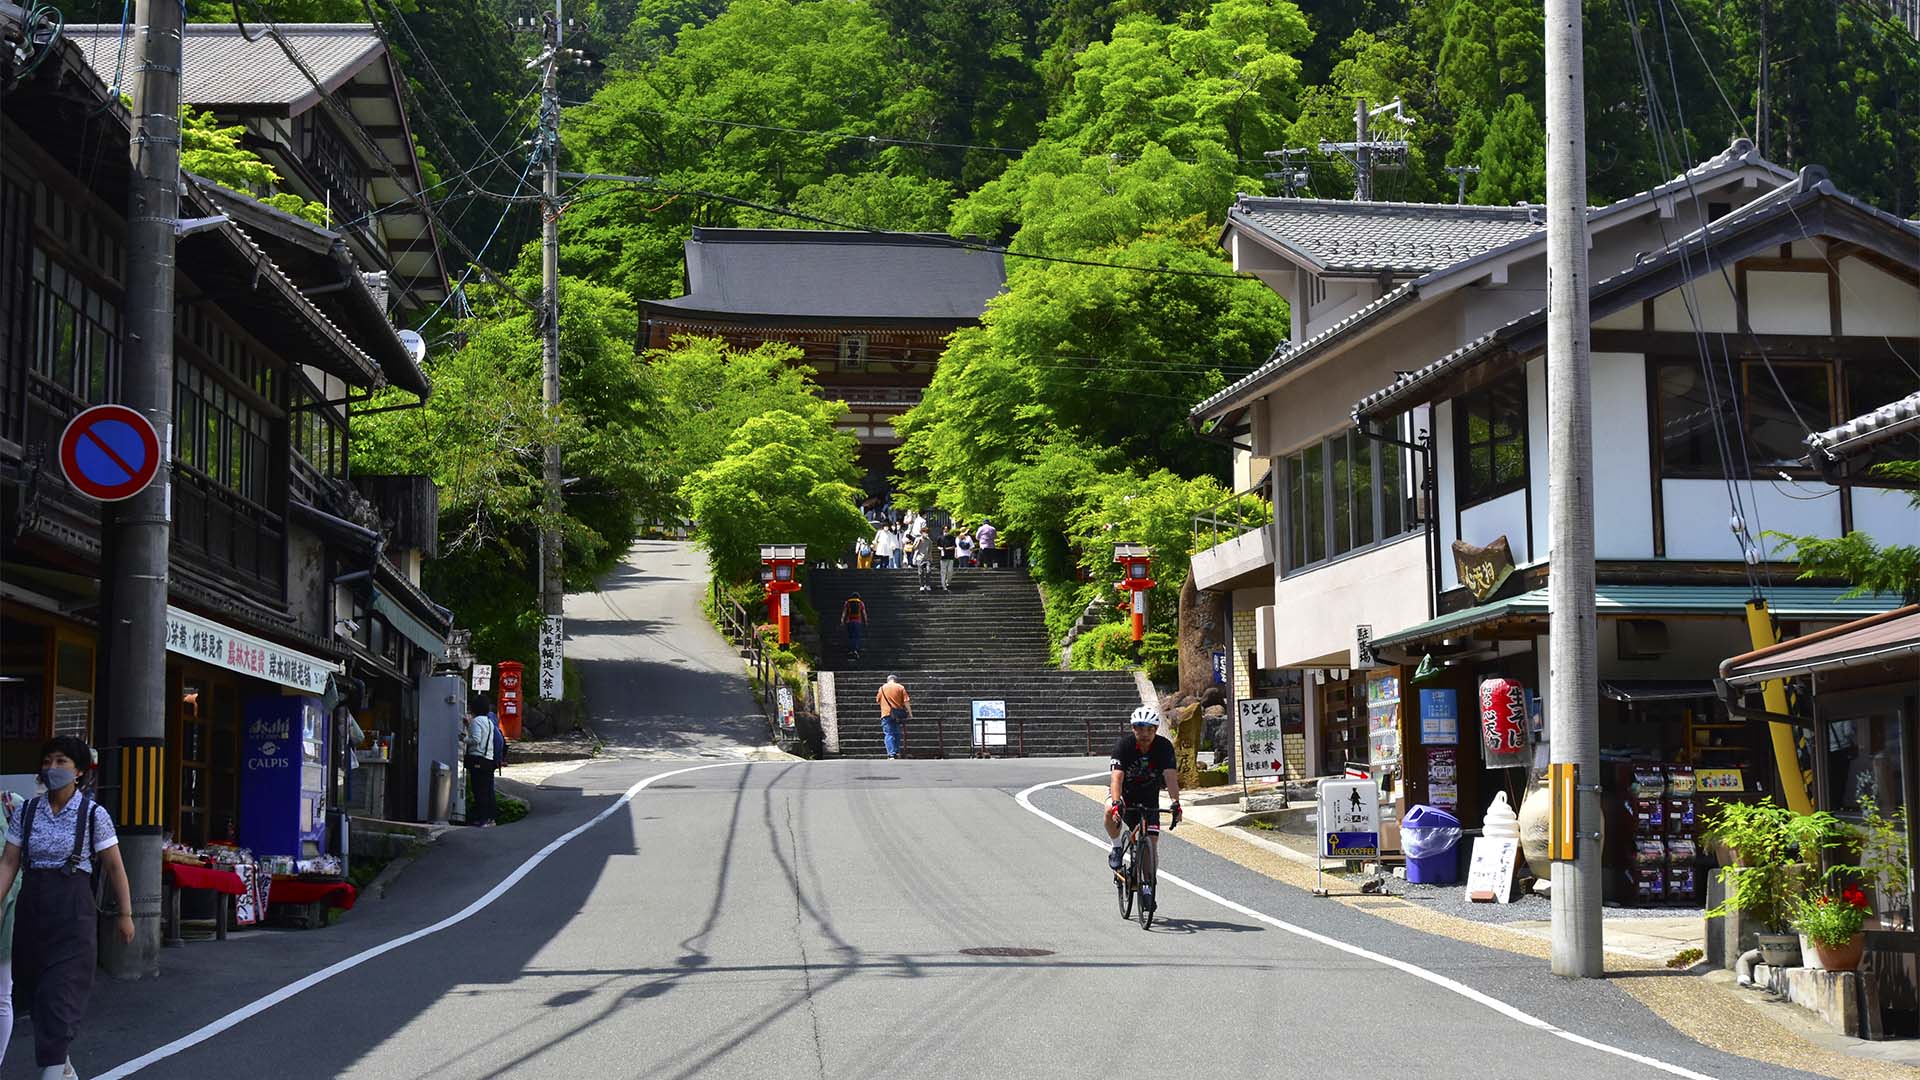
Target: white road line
<point x="1418" y="972"/>
<point x="298" y="986"/>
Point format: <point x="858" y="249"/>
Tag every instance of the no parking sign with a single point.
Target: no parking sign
<point x="109" y="453"/>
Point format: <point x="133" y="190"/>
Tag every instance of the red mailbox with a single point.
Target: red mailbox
<point x="782" y="575"/>
<point x="1138" y="561"/>
<point x="509" y="697"/>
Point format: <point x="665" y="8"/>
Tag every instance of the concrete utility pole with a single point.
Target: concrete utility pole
<point x="553" y="589"/>
<point x="1363" y="147"/>
<point x="1362" y="154"/>
<point x="1572" y="709"/>
<point x="140" y="528"/>
<point x="1460" y="174"/>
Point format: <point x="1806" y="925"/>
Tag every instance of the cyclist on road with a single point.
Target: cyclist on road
<point x="1142" y="763"/>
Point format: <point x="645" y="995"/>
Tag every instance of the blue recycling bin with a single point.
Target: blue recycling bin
<point x="1431" y="838"/>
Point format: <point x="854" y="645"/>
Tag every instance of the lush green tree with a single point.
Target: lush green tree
<point x="1513" y="158"/>
<point x="1871" y="567"/>
<point x="877" y="200"/>
<point x="1376" y="70"/>
<point x="705" y="392"/>
<point x="207" y="149"/>
<point x="479" y="436"/>
<point x="784" y="478"/>
<point x="1102" y="356"/>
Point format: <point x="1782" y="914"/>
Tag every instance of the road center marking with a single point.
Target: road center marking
<point x="255" y="1008"/>
<point x="1025" y="799"/>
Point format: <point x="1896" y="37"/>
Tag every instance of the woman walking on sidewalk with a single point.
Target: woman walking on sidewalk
<point x="57" y="838"/>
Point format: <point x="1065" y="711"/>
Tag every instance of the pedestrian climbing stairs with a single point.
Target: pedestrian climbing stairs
<point x="986" y="639"/>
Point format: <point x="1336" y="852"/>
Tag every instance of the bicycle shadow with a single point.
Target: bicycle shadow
<point x="1195" y="926"/>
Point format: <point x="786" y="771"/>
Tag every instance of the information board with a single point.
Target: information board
<point x="1443" y="777"/>
<point x="482" y="678"/>
<point x="1490" y="874"/>
<point x="989" y="723"/>
<point x="1439" y="717"/>
<point x="1262" y="752"/>
<point x="553" y="636"/>
<point x="1349" y="821"/>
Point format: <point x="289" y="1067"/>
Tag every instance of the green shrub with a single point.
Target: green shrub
<point x="508" y="809"/>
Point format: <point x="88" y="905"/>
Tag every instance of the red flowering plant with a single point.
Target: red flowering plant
<point x="1831" y="920"/>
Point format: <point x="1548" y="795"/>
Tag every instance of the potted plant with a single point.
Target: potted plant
<point x="1773" y="849"/>
<point x="1833" y="924"/>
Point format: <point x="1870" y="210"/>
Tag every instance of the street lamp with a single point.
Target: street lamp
<point x="781" y="566"/>
<point x="1138" y="560"/>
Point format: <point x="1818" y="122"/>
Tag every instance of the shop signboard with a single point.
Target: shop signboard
<point x="783" y="700"/>
<point x="1262" y="753"/>
<point x="1219" y="667"/>
<point x="1719" y="780"/>
<point x="1349" y="821"/>
<point x="209" y="642"/>
<point x="1490" y="873"/>
<point x="1383" y="721"/>
<point x="1503" y="723"/>
<point x="1361" y="656"/>
<point x="482" y="678"/>
<point x="1439" y="718"/>
<point x="553" y="636"/>
<point x="989" y="723"/>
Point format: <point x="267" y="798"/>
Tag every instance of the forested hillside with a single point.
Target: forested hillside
<point x="1101" y="142"/>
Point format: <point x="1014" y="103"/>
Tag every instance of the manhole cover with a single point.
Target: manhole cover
<point x="1006" y="950"/>
<point x="876" y="778"/>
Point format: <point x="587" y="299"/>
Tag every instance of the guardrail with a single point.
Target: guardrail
<point x="1220" y="529"/>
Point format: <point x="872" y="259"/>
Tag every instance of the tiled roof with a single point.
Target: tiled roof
<point x="1863" y="431"/>
<point x="1738" y="155"/>
<point x="1369" y="237"/>
<point x="1806" y="190"/>
<point x="837" y="274"/>
<point x="222" y="69"/>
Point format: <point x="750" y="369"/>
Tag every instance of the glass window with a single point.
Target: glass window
<point x="1341" y="495"/>
<point x="1873" y="383"/>
<point x="1314" y="505"/>
<point x="1785" y="402"/>
<point x="1340" y="459"/>
<point x="1864" y="759"/>
<point x="1490" y="439"/>
<point x="1685" y="413"/>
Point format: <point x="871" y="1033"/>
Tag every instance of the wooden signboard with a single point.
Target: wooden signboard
<point x="1490" y="874"/>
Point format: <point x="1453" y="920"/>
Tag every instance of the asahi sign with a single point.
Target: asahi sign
<point x="207" y="641"/>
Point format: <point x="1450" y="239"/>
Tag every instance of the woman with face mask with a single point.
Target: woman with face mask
<point x="53" y="845"/>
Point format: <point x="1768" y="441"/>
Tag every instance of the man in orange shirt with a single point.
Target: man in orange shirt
<point x="896" y="708"/>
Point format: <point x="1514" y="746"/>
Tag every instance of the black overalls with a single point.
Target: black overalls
<point x="55" y="932"/>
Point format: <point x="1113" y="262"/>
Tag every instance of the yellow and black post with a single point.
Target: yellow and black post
<point x="143" y="776"/>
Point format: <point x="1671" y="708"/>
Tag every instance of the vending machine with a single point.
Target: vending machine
<point x="283" y="777"/>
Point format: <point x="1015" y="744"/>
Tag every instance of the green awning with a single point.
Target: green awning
<point x="1622" y="601"/>
<point x="407" y="626"/>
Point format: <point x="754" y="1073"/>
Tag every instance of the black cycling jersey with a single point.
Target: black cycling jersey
<point x="1142" y="772"/>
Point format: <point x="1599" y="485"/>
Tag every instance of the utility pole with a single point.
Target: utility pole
<point x="553" y="588"/>
<point x="1292" y="175"/>
<point x="1460" y="174"/>
<point x="1572" y="710"/>
<point x="140" y="528"/>
<point x="1363" y="148"/>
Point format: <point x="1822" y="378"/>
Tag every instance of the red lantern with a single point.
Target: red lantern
<point x="1503" y="723"/>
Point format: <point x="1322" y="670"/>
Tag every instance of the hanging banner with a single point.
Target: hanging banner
<point x="553" y="636"/>
<point x="1503" y="723"/>
<point x="208" y="642"/>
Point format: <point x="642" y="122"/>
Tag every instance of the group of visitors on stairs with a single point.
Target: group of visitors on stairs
<point x="915" y="540"/>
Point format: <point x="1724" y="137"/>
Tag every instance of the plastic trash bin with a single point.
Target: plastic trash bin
<point x="1431" y="838"/>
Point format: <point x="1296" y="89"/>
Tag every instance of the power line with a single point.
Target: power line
<point x="969" y="245"/>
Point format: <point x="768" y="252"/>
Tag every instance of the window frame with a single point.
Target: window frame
<point x="1466" y="494"/>
<point x="1294" y="483"/>
<point x="1752" y="370"/>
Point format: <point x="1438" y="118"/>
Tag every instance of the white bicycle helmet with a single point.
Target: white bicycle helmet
<point x="1144" y="716"/>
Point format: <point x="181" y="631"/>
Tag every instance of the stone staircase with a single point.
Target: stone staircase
<point x="986" y="639"/>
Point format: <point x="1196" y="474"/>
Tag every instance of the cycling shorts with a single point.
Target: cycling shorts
<point x="1131" y="813"/>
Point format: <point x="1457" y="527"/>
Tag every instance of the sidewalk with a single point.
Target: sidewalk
<point x="1638" y="944"/>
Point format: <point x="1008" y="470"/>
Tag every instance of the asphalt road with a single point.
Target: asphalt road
<point x="813" y="919"/>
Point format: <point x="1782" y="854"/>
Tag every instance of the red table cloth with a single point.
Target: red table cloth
<point x="181" y="876"/>
<point x="292" y="890"/>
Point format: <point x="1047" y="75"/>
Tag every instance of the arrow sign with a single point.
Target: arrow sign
<point x="109" y="453"/>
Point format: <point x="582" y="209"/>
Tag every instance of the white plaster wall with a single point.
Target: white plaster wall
<point x="1697" y="511"/>
<point x="1875" y="303"/>
<point x="1627" y="318"/>
<point x="1622" y="502"/>
<point x="1538" y="546"/>
<point x="1712" y="300"/>
<point x="1784" y="302"/>
<point x="1317" y="610"/>
<point x="1886" y="515"/>
<point x="1486" y="522"/>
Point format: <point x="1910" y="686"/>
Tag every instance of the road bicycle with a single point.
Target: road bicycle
<point x="1138" y="876"/>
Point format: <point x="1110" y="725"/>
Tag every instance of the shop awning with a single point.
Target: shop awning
<point x="1622" y="601"/>
<point x="1890" y="637"/>
<point x="1641" y="690"/>
<point x="406" y="625"/>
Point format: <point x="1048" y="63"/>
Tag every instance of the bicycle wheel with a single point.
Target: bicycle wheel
<point x="1145" y="875"/>
<point x="1123" y="884"/>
